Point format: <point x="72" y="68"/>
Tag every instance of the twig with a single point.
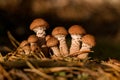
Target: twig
<point x="40" y="63"/>
<point x="78" y="53"/>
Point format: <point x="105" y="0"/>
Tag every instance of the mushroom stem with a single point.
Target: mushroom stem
<point x="40" y="32"/>
<point x="62" y="46"/>
<point x="26" y="50"/>
<point x="52" y="42"/>
<point x="55" y="50"/>
<point x="85" y="47"/>
<point x="75" y="44"/>
<point x="34" y="48"/>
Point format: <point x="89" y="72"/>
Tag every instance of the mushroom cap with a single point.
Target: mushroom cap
<point x="39" y="22"/>
<point x="24" y="43"/>
<point x="76" y="29"/>
<point x="89" y="39"/>
<point x="59" y="30"/>
<point x="52" y="41"/>
<point x="47" y="37"/>
<point x="32" y="39"/>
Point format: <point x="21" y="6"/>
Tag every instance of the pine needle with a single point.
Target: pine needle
<point x="14" y="42"/>
<point x="33" y="69"/>
<point x="7" y="49"/>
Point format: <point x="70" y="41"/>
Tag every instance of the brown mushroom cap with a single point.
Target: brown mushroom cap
<point x="24" y="43"/>
<point x="76" y="29"/>
<point x="59" y="30"/>
<point x="52" y="41"/>
<point x="47" y="37"/>
<point x="32" y="39"/>
<point x="39" y="22"/>
<point x="89" y="39"/>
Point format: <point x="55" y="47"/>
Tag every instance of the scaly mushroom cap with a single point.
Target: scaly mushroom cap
<point x="24" y="43"/>
<point x="59" y="30"/>
<point x="32" y="39"/>
<point x="39" y="22"/>
<point x="89" y="39"/>
<point x="76" y="29"/>
<point x="52" y="41"/>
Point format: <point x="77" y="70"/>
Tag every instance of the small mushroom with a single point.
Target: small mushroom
<point x="47" y="37"/>
<point x="88" y="41"/>
<point x="39" y="26"/>
<point x="24" y="47"/>
<point x="76" y="33"/>
<point x="60" y="33"/>
<point x="33" y="40"/>
<point x="52" y="42"/>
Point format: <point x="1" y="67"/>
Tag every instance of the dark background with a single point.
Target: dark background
<point x="100" y="18"/>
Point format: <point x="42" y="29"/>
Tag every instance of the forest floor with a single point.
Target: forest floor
<point x="33" y="67"/>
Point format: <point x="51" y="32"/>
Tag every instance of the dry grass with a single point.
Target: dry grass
<point x="35" y="67"/>
<point x="60" y="69"/>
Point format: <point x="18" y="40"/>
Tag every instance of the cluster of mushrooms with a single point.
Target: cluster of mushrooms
<point x="55" y="44"/>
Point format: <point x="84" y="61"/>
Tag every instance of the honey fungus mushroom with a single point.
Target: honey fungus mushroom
<point x="39" y="26"/>
<point x="52" y="42"/>
<point x="47" y="37"/>
<point x="76" y="32"/>
<point x="88" y="41"/>
<point x="33" y="40"/>
<point x="60" y="33"/>
<point x="24" y="47"/>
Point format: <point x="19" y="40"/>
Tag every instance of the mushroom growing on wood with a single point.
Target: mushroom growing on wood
<point x="52" y="42"/>
<point x="76" y="33"/>
<point x="60" y="33"/>
<point x="88" y="41"/>
<point x="33" y="40"/>
<point x="24" y="47"/>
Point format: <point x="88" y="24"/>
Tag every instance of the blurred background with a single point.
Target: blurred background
<point x="100" y="18"/>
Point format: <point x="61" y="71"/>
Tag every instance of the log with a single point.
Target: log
<point x="20" y="64"/>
